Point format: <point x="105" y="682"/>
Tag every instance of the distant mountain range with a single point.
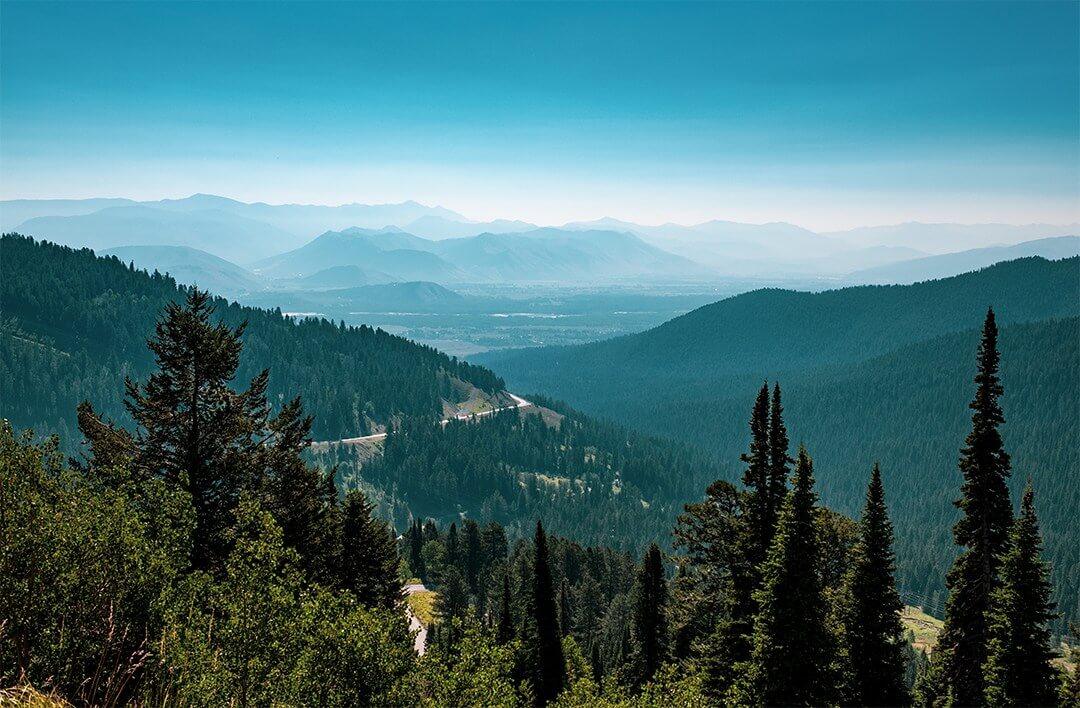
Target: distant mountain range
<point x="949" y="264"/>
<point x="275" y="237"/>
<point x="532" y="256"/>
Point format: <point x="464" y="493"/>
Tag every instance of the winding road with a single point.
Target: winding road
<point x="519" y="402"/>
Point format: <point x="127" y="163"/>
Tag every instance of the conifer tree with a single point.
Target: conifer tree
<point x="779" y="460"/>
<point x="1018" y="670"/>
<point x="505" y="632"/>
<point x="649" y="630"/>
<point x="982" y="531"/>
<point x="369" y="555"/>
<point x="872" y="628"/>
<point x="416" y="550"/>
<point x="756" y="480"/>
<point x="473" y="556"/>
<point x="549" y="665"/>
<point x="452" y="600"/>
<point x="566" y="613"/>
<point x="792" y="648"/>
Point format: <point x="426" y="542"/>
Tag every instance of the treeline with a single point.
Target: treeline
<point x="74" y="326"/>
<point x="591" y="481"/>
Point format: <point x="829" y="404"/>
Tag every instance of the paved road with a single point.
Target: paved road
<point x="414" y="624"/>
<point x="519" y="402"/>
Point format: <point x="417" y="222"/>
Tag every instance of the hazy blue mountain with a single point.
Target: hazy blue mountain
<point x="191" y="266"/>
<point x="15" y="211"/>
<point x="221" y="233"/>
<point x="552" y="254"/>
<point x="540" y="255"/>
<point x="943" y="266"/>
<point x="386" y="252"/>
<point x="345" y="276"/>
<point x="308" y="220"/>
<point x="734" y="248"/>
<point x="438" y="227"/>
<point x="937" y="239"/>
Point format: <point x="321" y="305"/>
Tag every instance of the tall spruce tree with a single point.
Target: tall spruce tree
<point x="779" y="460"/>
<point x="1018" y="670"/>
<point x="982" y="530"/>
<point x="194" y="431"/>
<point x="505" y="632"/>
<point x="793" y="652"/>
<point x="369" y="554"/>
<point x="649" y="628"/>
<point x="549" y="665"/>
<point x="566" y="612"/>
<point x="756" y="481"/>
<point x="872" y="628"/>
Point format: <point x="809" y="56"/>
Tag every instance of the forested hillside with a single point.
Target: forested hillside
<point x="74" y="325"/>
<point x="594" y="482"/>
<point x="888" y="386"/>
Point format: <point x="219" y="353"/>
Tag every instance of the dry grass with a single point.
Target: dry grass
<point x="422" y="605"/>
<point x="926" y="628"/>
<point x="29" y="697"/>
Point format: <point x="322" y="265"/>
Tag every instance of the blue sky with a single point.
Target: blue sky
<point x="824" y="114"/>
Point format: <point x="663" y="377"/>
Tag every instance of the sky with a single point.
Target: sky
<point x="828" y="115"/>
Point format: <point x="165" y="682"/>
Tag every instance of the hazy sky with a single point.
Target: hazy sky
<point x="823" y="114"/>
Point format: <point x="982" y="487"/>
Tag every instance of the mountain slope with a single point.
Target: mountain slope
<point x="949" y="264"/>
<point x="221" y="233"/>
<point x="75" y="325"/>
<point x="400" y="255"/>
<point x="190" y="266"/>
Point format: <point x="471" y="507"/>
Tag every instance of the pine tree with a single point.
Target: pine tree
<point x="301" y="497"/>
<point x="549" y="666"/>
<point x="756" y="480"/>
<point x="505" y="633"/>
<point x="1018" y="670"/>
<point x="649" y="630"/>
<point x="369" y="555"/>
<point x="416" y="548"/>
<point x="193" y="429"/>
<point x="566" y="613"/>
<point x="793" y="650"/>
<point x="872" y="627"/>
<point x="982" y="531"/>
<point x="779" y="460"/>
<point x="452" y="600"/>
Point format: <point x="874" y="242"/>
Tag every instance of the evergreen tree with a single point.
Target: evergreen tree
<point x="416" y="550"/>
<point x="982" y="531"/>
<point x="453" y="549"/>
<point x="793" y="650"/>
<point x="649" y="629"/>
<point x="872" y="627"/>
<point x="369" y="554"/>
<point x="779" y="459"/>
<point x="193" y="429"/>
<point x="566" y="613"/>
<point x="301" y="497"/>
<point x="505" y="632"/>
<point x="452" y="600"/>
<point x="473" y="555"/>
<point x="1018" y="670"/>
<point x="549" y="666"/>
<point x="757" y="481"/>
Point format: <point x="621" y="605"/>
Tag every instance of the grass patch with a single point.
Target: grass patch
<point x="925" y="628"/>
<point x="422" y="605"/>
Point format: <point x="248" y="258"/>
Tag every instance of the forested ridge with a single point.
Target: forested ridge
<point x="903" y="406"/>
<point x="74" y="325"/>
<point x="200" y="559"/>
